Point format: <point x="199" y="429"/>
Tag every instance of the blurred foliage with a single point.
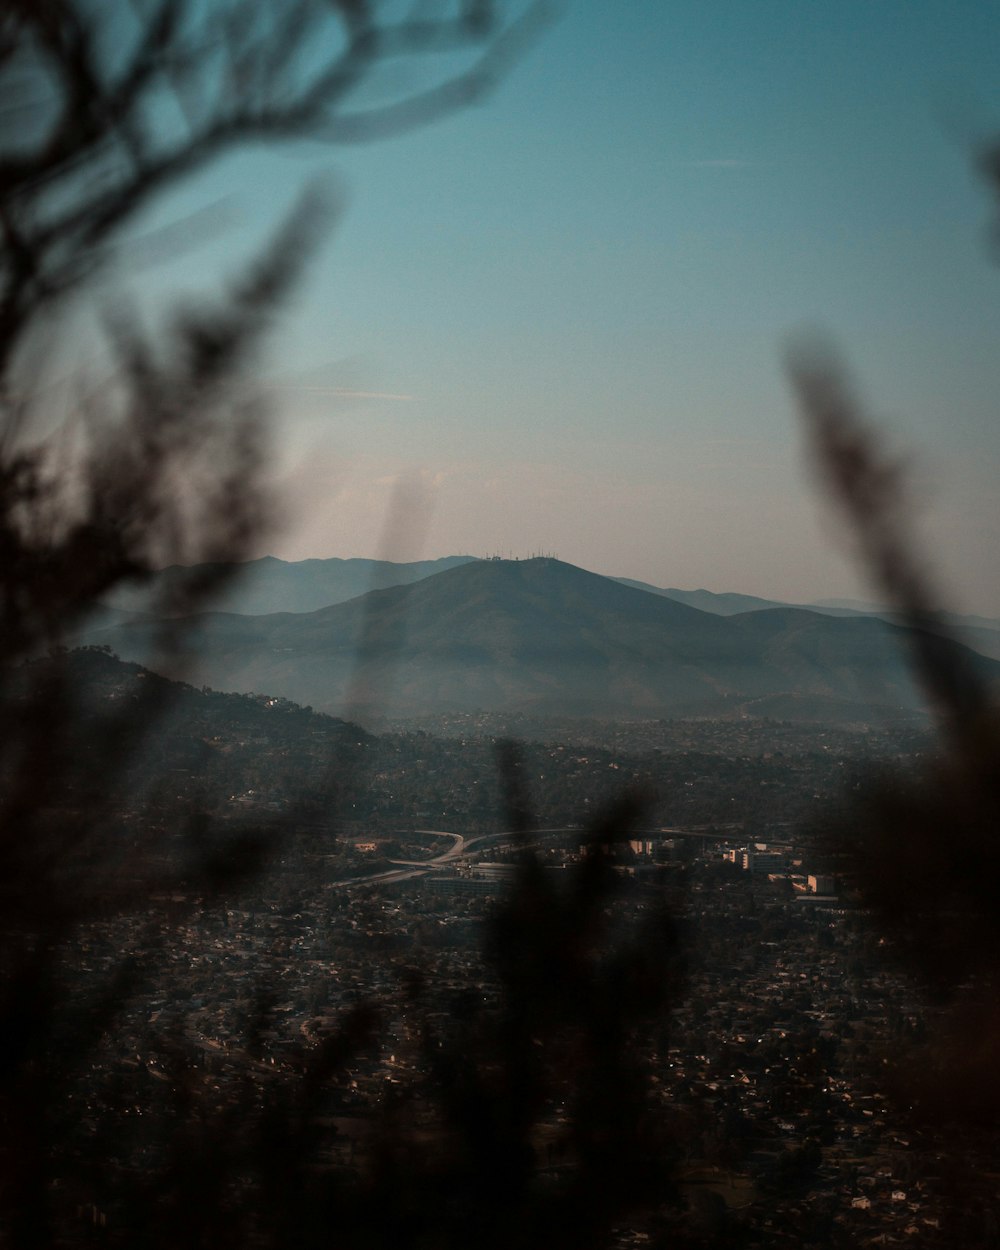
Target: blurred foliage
<point x="922" y="846"/>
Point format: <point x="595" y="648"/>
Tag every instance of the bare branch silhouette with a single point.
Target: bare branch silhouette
<point x="234" y="73"/>
<point x="923" y="846"/>
<point x="870" y="491"/>
<point x="104" y="108"/>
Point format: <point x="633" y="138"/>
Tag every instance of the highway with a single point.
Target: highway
<point x="405" y="869"/>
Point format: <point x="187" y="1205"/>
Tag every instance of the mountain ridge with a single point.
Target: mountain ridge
<point x="981" y="633"/>
<point x="543" y="634"/>
<point x="269" y="584"/>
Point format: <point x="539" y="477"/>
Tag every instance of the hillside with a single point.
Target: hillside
<point x="981" y="633"/>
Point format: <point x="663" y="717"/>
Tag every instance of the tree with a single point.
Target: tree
<point x="109" y="105"/>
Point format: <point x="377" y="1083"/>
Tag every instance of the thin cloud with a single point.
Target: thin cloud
<point x="739" y="440"/>
<point x="724" y="163"/>
<point x="342" y="392"/>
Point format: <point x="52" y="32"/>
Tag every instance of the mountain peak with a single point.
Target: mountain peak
<point x="543" y="635"/>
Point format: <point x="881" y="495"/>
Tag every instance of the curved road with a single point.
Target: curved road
<point x="460" y="846"/>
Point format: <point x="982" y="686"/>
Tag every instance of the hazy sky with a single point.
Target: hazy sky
<point x="560" y="317"/>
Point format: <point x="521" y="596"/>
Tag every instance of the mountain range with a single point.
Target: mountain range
<point x="259" y="587"/>
<point x="981" y="633"/>
<point x="539" y="635"/>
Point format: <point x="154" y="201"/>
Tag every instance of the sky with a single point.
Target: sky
<point x="557" y="321"/>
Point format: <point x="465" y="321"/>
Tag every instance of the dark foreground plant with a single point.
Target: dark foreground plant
<point x="105" y="107"/>
<point x="923" y="846"/>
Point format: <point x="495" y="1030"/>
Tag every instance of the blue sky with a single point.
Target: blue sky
<point x="560" y="317"/>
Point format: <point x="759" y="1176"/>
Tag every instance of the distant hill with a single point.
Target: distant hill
<point x="981" y="633"/>
<point x="719" y="604"/>
<point x="544" y="636"/>
<point x="99" y="683"/>
<point x="258" y="587"/>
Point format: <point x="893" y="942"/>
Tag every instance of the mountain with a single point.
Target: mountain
<point x="719" y="604"/>
<point x="548" y="637"/>
<point x="269" y="585"/>
<point x="258" y="587"/>
<point x="981" y="633"/>
<point x="859" y="606"/>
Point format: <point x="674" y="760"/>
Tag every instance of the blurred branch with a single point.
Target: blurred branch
<point x="135" y="95"/>
<point x="234" y="73"/>
<point x="170" y="476"/>
<point x="869" y="489"/>
<point x="923" y="846"/>
<point x="117" y="102"/>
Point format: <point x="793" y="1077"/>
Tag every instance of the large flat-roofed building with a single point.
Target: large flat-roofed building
<point x="764" y="861"/>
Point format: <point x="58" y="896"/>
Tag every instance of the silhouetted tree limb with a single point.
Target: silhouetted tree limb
<point x="870" y="491"/>
<point x="104" y="107"/>
<point x="123" y="100"/>
<point x="228" y="73"/>
<point x="923" y="846"/>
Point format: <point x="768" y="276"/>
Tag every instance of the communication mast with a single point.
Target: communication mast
<point x="497" y="557"/>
